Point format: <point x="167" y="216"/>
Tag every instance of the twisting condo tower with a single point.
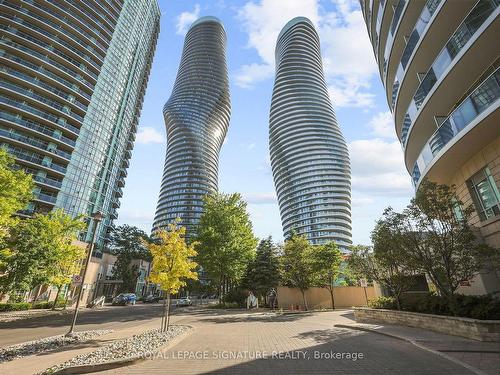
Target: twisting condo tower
<point x="196" y="118"/>
<point x="309" y="156"/>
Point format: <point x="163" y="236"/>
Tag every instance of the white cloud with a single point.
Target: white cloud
<point x="260" y="198"/>
<point x="250" y="74"/>
<point x="382" y="125"/>
<point x="147" y="134"/>
<point x="348" y="59"/>
<point x="251" y="146"/>
<point x="185" y="19"/>
<point x="377" y="168"/>
<point x="263" y="22"/>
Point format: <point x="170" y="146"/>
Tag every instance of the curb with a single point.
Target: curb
<point x="87" y="369"/>
<point x="413" y="342"/>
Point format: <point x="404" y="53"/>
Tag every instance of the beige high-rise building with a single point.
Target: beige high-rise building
<point x="438" y="61"/>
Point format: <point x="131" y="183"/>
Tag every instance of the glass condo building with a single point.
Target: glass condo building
<point x="73" y="76"/>
<point x="196" y="119"/>
<point x="438" y="61"/>
<point x="309" y="156"/>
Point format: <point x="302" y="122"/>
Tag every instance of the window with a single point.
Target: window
<point x="485" y="195"/>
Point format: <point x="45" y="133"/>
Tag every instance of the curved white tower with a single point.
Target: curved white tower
<point x="309" y="155"/>
<point x="197" y="118"/>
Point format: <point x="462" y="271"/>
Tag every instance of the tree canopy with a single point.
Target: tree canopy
<point x="263" y="272"/>
<point x="15" y="192"/>
<point x="226" y="243"/>
<point x="326" y="260"/>
<point x="172" y="263"/>
<point x="297" y="265"/>
<point x="41" y="250"/>
<point x="127" y="243"/>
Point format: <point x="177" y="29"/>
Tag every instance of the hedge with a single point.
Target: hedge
<point x="19" y="306"/>
<point x="476" y="307"/>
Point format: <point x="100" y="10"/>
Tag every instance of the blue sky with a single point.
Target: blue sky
<point x="379" y="178"/>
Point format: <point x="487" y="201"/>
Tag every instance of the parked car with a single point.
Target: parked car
<point x="150" y="298"/>
<point x="185" y="301"/>
<point x="123" y="299"/>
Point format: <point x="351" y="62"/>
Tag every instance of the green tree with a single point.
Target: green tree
<point x="263" y="272"/>
<point x="439" y="241"/>
<point x="127" y="243"/>
<point x="15" y="192"/>
<point x="366" y="264"/>
<point x="226" y="240"/>
<point x="172" y="264"/>
<point x="296" y="265"/>
<point x="38" y="252"/>
<point x="66" y="256"/>
<point x="326" y="261"/>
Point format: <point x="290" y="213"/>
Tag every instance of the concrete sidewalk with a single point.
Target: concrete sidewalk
<point x="480" y="357"/>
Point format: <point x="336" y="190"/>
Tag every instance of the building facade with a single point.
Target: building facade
<point x="73" y="76"/>
<point x="196" y="119"/>
<point x="438" y="61"/>
<point x="309" y="156"/>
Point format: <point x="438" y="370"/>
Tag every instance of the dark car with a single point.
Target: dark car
<point x="151" y="299"/>
<point x="123" y="299"/>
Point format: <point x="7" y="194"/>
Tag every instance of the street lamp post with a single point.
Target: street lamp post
<point x="97" y="217"/>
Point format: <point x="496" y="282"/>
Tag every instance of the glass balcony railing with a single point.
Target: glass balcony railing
<point x="30" y="124"/>
<point x="38" y="112"/>
<point x="470" y="25"/>
<point x="35" y="158"/>
<point x="58" y="27"/>
<point x="396" y="18"/>
<point x="51" y="36"/>
<point x="45" y="86"/>
<point x="46" y="72"/>
<point x="46" y="59"/>
<point x="52" y="103"/>
<point x="46" y="198"/>
<point x="33" y="142"/>
<point x="48" y="181"/>
<point x="419" y="30"/>
<point x="482" y="98"/>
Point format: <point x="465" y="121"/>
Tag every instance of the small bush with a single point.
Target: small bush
<point x="382" y="303"/>
<point x="476" y="307"/>
<point x="237" y="296"/>
<point x="224" y="305"/>
<point x="15" y="306"/>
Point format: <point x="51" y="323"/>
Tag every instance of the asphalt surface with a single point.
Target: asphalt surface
<point x="108" y="317"/>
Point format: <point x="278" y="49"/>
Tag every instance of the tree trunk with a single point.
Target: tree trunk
<point x="304" y="299"/>
<point x="168" y="311"/>
<point x="331" y="296"/>
<point x="57" y="296"/>
<point x="163" y="314"/>
<point x="398" y="301"/>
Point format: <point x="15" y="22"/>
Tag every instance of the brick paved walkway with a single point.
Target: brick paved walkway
<point x="290" y="344"/>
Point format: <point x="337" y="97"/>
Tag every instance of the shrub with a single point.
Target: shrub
<point x="237" y="296"/>
<point x="15" y="306"/>
<point x="224" y="305"/>
<point x="48" y="305"/>
<point x="382" y="303"/>
<point x="476" y="307"/>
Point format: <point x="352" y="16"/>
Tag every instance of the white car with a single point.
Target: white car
<point x="184" y="302"/>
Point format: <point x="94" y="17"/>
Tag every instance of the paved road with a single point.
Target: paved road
<point x="231" y="343"/>
<point x="109" y="317"/>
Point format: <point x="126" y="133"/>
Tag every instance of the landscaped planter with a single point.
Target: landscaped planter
<point x="483" y="330"/>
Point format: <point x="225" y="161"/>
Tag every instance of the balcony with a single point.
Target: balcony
<point x="121" y="182"/>
<point x="119" y="192"/>
<point x="467" y="130"/>
<point x="474" y="37"/>
<point x="45" y="198"/>
<point x="48" y="181"/>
